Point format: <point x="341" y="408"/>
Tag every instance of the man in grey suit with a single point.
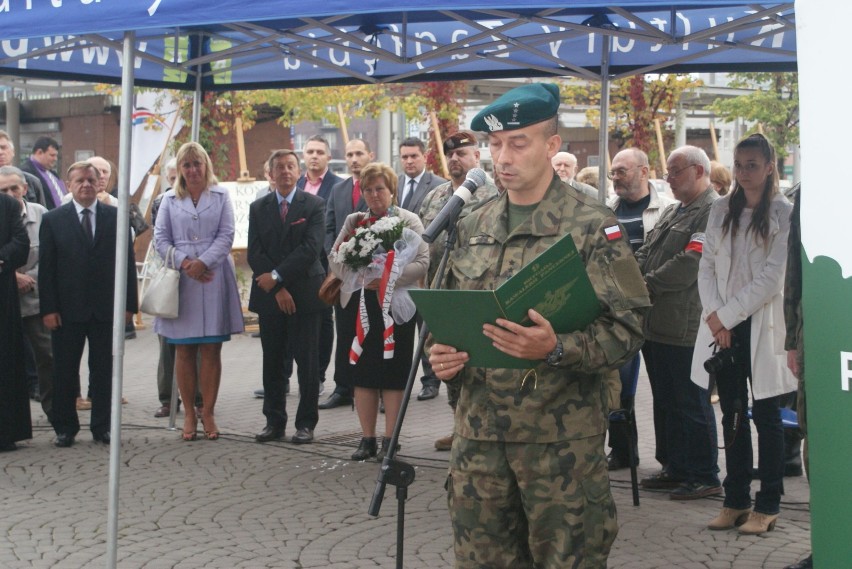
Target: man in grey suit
<point x="414" y="182"/>
<point x="345" y="198"/>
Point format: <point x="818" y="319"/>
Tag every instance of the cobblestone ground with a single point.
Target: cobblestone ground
<point x="233" y="503"/>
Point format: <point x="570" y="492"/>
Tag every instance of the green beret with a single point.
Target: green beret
<point x="519" y="108"/>
<point x="459" y="139"/>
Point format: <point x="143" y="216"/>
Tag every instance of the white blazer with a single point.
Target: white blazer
<point x="761" y="298"/>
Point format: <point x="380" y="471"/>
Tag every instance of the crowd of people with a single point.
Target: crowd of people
<point x="692" y="286"/>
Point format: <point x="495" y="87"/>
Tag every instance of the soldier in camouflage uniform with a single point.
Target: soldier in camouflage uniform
<point x="528" y="484"/>
<point x="461" y="150"/>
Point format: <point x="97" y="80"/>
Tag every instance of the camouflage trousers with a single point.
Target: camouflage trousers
<point x="519" y="505"/>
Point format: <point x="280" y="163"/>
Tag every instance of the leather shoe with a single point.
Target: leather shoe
<point x="806" y="563"/>
<point x="428" y="392"/>
<point x="445" y="443"/>
<point x="335" y="400"/>
<point x="259" y="393"/>
<point x="615" y="462"/>
<point x="662" y="481"/>
<point x="64" y="441"/>
<point x="163" y="411"/>
<point x="303" y="436"/>
<point x="269" y="433"/>
<point x="102" y="438"/>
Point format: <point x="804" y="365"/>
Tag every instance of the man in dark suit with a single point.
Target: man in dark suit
<point x="76" y="290"/>
<point x="414" y="182"/>
<point x="285" y="243"/>
<point x="40" y="164"/>
<point x="15" y="422"/>
<point x="345" y="199"/>
<point x="319" y="180"/>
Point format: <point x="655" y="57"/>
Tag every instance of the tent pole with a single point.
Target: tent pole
<point x="122" y="242"/>
<point x="603" y="138"/>
<point x="196" y="108"/>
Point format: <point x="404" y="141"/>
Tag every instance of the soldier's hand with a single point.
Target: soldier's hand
<point x="525" y="342"/>
<point x="447" y="361"/>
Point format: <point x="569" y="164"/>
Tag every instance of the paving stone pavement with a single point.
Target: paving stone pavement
<point x="233" y="503"/>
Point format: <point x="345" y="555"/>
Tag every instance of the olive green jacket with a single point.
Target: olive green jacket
<point x="669" y="260"/>
<point x="565" y="402"/>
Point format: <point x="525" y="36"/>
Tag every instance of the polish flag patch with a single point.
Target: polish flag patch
<point x="696" y="243"/>
<point x="613" y="232"/>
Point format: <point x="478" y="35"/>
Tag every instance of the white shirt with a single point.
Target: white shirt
<point x="406" y="188"/>
<point x="93" y="209"/>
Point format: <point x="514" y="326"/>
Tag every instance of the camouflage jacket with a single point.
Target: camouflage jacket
<point x="566" y="402"/>
<point x="435" y="201"/>
<point x="793" y="278"/>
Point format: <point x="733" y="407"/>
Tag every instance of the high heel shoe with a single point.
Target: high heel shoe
<point x="188" y="435"/>
<point x="758" y="523"/>
<point x="367" y="449"/>
<point x="211" y="431"/>
<point x="380" y="456"/>
<point x="729" y="518"/>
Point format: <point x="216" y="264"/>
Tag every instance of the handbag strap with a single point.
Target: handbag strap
<point x="170" y="258"/>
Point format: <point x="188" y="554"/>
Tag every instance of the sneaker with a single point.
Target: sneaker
<point x="662" y="481"/>
<point x="695" y="491"/>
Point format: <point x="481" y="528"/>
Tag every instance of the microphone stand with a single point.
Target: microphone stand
<point x="396" y="472"/>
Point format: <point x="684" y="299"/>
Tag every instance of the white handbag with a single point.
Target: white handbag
<point x="161" y="298"/>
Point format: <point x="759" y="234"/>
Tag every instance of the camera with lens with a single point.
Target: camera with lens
<point x="722" y="359"/>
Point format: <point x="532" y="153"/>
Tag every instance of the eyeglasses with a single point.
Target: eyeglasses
<point x="676" y="173"/>
<point x="10" y="189"/>
<point x="620" y="172"/>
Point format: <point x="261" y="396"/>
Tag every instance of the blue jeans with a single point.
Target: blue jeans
<point x="732" y="384"/>
<point x="683" y="416"/>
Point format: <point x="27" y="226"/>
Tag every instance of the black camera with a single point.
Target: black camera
<point x="722" y="359"/>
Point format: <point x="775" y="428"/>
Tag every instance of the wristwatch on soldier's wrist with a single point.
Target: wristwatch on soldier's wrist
<point x="275" y="276"/>
<point x="555" y="357"/>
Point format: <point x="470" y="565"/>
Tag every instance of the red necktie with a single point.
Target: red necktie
<point x="284" y="207"/>
<point x="356" y="194"/>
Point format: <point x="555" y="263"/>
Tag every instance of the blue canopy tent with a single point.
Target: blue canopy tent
<point x="204" y="45"/>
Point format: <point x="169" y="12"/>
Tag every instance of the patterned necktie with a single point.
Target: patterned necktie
<point x="356" y="194"/>
<point x="284" y="207"/>
<point x="407" y="201"/>
<point x="87" y="224"/>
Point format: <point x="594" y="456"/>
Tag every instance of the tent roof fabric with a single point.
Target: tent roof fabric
<point x="242" y="45"/>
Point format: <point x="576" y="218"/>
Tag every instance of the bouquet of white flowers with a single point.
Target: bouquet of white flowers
<point x="378" y="248"/>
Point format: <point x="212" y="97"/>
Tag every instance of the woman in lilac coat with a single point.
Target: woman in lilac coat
<point x="197" y="219"/>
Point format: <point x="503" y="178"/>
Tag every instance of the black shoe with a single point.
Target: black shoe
<point x="130" y="335"/>
<point x="335" y="400"/>
<point x="64" y="441"/>
<point x="270" y="433"/>
<point x="259" y="393"/>
<point x="695" y="491"/>
<point x="382" y="406"/>
<point x="367" y="449"/>
<point x="303" y="436"/>
<point x="806" y="563"/>
<point x="255" y="334"/>
<point x="428" y="392"/>
<point x="615" y="462"/>
<point x="380" y="456"/>
<point x="102" y="438"/>
<point x="662" y="481"/>
<point x="7" y="446"/>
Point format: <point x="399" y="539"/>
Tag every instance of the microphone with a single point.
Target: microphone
<point x="450" y="212"/>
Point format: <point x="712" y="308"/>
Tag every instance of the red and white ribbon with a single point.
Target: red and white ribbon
<point x="390" y="274"/>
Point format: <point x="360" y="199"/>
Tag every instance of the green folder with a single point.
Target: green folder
<point x="555" y="284"/>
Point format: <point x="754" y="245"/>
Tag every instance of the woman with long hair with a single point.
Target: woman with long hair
<point x="197" y="219"/>
<point x="740" y="279"/>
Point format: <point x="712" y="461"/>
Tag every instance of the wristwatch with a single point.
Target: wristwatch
<point x="274" y="274"/>
<point x="555" y="357"/>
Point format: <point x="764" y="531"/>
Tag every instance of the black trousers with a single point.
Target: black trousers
<point x="299" y="333"/>
<point x="68" y="342"/>
<point x="342" y="371"/>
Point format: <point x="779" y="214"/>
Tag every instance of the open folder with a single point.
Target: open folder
<point x="555" y="284"/>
